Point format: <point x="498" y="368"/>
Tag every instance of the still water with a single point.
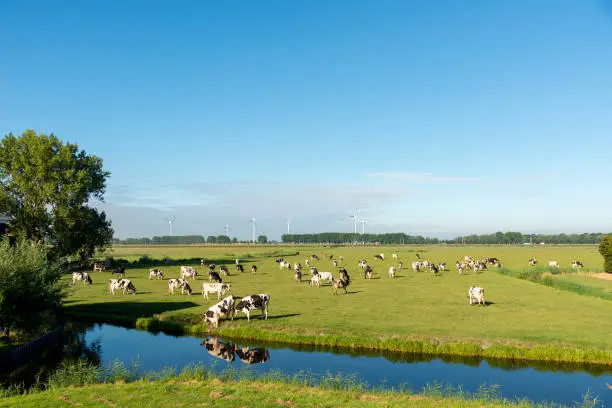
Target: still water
<point x="154" y="351"/>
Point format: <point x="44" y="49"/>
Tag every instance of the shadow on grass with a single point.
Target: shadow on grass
<point x="270" y="317"/>
<point x="126" y="309"/>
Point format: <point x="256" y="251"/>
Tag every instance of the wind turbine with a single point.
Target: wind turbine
<point x="227" y="230"/>
<point x="170" y="221"/>
<point x="289" y="226"/>
<point x="363" y="222"/>
<point x="355" y="217"/>
<point x="254" y="225"/>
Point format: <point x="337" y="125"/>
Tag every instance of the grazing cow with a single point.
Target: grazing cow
<point x="416" y="266"/>
<point x="298" y="275"/>
<point x="237" y="262"/>
<point x="307" y="262"/>
<point x="212" y="267"/>
<point x="577" y="264"/>
<point x="335" y="263"/>
<point x="214" y="277"/>
<point x="479" y="266"/>
<point x="314" y="270"/>
<point x="340" y="284"/>
<point x="460" y="267"/>
<point x="118" y="271"/>
<point x="248" y="303"/>
<point x="400" y="265"/>
<point x="468" y="258"/>
<point x="315" y="279"/>
<point x="363" y="264"/>
<point x="279" y="260"/>
<point x="219" y="349"/>
<point x="392" y="271"/>
<point x="99" y="266"/>
<point x="221" y="310"/>
<point x="188" y="272"/>
<point x="156" y="273"/>
<point x="380" y="256"/>
<point x="254" y="355"/>
<point x="284" y="265"/>
<point x="394" y="256"/>
<point x="223" y="270"/>
<point x="476" y="295"/>
<point x="367" y="273"/>
<point x="532" y="262"/>
<point x="315" y="257"/>
<point x="331" y="257"/>
<point x="553" y="264"/>
<point x="179" y="283"/>
<point x="326" y="276"/>
<point x="297" y="266"/>
<point x="239" y="268"/>
<point x="433" y="269"/>
<point x="81" y="276"/>
<point x="124" y="284"/>
<point x="442" y="266"/>
<point x="218" y="288"/>
<point x="253" y="268"/>
<point x="425" y="264"/>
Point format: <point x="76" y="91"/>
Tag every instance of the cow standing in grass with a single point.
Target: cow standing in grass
<point x="81" y="276"/>
<point x="156" y="273"/>
<point x="252" y="302"/>
<point x="221" y="310"/>
<point x="125" y="284"/>
<point x="476" y="295"/>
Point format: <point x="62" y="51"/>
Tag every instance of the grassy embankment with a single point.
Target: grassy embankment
<point x="413" y="313"/>
<point x="90" y="386"/>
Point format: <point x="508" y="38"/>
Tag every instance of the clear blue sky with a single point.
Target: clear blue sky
<point x="438" y="117"/>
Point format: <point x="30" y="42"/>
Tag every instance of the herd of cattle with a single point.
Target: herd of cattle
<point x="229" y="306"/>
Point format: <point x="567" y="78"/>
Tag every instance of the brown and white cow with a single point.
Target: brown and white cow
<point x="252" y="302"/>
<point x="221" y="310"/>
<point x="476" y="295"/>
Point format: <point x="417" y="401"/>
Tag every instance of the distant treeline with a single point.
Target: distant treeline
<point x="392" y="238"/>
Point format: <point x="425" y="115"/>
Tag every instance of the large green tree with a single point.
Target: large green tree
<point x="605" y="249"/>
<point x="46" y="185"/>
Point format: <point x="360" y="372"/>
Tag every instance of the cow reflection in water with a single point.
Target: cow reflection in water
<point x="225" y="351"/>
<point x="219" y="349"/>
<point x="253" y="355"/>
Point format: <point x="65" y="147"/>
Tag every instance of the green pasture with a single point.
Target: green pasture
<point x="415" y="306"/>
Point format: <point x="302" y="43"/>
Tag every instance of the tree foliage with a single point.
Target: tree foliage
<point x="605" y="249"/>
<point x="46" y="185"/>
<point x="262" y="239"/>
<point x="30" y="289"/>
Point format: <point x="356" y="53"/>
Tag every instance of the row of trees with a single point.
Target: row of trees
<point x="344" y="237"/>
<point x="520" y="238"/>
<point x="185" y="240"/>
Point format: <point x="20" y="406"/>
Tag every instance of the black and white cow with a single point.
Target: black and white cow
<point x="380" y="256"/>
<point x="476" y="295"/>
<point x="298" y="275"/>
<point x="118" y="271"/>
<point x="221" y="310"/>
<point x="532" y="262"/>
<point x="340" y="284"/>
<point x="577" y="264"/>
<point x="252" y="302"/>
<point x="279" y="260"/>
<point x="219" y="349"/>
<point x="343" y="274"/>
<point x="253" y="268"/>
<point x="367" y="272"/>
<point x="156" y="273"/>
<point x="315" y="257"/>
<point x="81" y="276"/>
<point x="125" y="284"/>
<point x="99" y="266"/>
<point x="214" y="277"/>
<point x="553" y="264"/>
<point x="179" y="284"/>
<point x="254" y="355"/>
<point x="223" y="270"/>
<point x="219" y="288"/>
<point x="212" y="267"/>
<point x="188" y="272"/>
<point x="363" y="264"/>
<point x="239" y="268"/>
<point x="392" y="271"/>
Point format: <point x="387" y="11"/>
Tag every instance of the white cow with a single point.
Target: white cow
<point x="416" y="266"/>
<point x="553" y="264"/>
<point x="219" y="288"/>
<point x="392" y="271"/>
<point x="476" y="295"/>
<point x="284" y="265"/>
<point x="188" y="272"/>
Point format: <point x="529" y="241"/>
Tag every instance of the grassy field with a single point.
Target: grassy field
<point x="380" y="313"/>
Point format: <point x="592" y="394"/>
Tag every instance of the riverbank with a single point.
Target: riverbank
<point x="88" y="386"/>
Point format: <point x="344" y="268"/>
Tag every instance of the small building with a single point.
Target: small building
<point x="3" y="224"/>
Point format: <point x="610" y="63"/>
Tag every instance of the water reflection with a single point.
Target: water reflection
<point x="227" y="351"/>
